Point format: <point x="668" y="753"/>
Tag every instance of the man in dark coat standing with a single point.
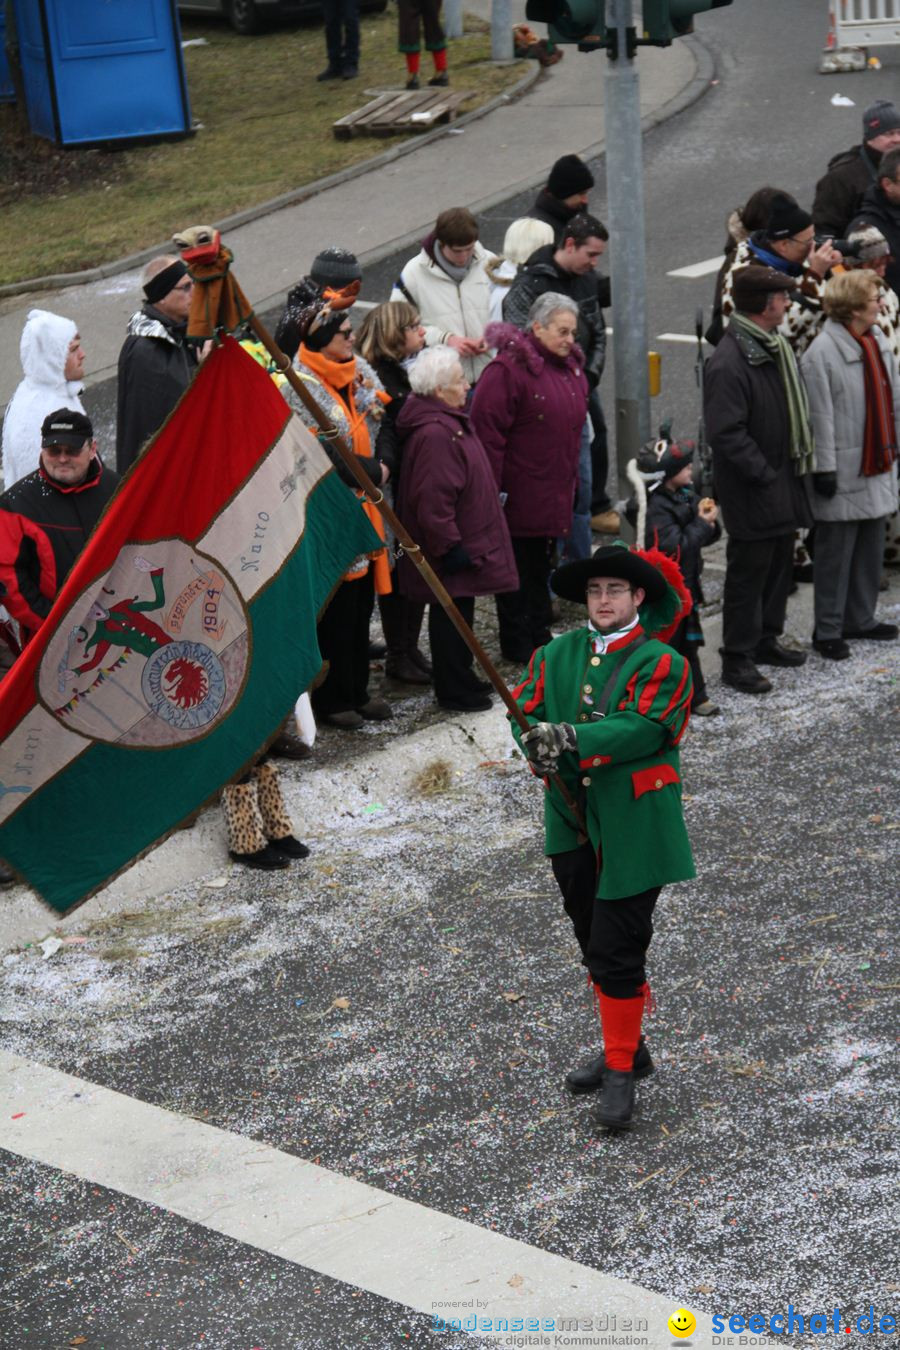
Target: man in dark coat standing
<point x="840" y="192"/>
<point x="155" y="363"/>
<point x="565" y="195"/>
<point x="881" y="208"/>
<point x="757" y="421"/>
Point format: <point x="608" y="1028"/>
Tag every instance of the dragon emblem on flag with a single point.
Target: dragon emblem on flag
<point x="155" y="654"/>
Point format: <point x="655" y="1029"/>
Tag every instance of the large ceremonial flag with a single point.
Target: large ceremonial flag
<point x="182" y="637"/>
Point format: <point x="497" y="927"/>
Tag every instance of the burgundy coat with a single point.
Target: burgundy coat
<point x="446" y="495"/>
<point x="529" y="410"/>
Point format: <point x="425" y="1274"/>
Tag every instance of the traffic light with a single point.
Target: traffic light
<point x="668" y="19"/>
<point x="579" y="21"/>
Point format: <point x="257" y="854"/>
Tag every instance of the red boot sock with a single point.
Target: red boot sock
<point x="440" y="60"/>
<point x="621" y="1021"/>
<point x="412" y="63"/>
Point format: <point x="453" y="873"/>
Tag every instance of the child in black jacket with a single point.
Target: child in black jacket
<point x="678" y="524"/>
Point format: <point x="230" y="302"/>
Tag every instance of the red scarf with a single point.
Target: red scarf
<point x="880" y="437"/>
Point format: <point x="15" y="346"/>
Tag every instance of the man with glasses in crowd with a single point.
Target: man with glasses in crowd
<point x="156" y="364"/>
<point x="46" y="518"/>
<point x="788" y="244"/>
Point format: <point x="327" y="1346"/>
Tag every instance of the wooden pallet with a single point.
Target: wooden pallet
<point x="402" y="110"/>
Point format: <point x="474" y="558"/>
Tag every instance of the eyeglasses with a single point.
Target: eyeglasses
<point x="70" y="451"/>
<point x="614" y="591"/>
<point x="345" y="333"/>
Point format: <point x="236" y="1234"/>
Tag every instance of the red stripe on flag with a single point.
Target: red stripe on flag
<point x="651" y="689"/>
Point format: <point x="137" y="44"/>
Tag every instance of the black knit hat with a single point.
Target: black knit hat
<point x="66" y="426"/>
<point x="569" y="176"/>
<point x="335" y="267"/>
<point x="786" y="218"/>
<point x="878" y="118"/>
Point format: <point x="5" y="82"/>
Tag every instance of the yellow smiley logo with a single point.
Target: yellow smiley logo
<point x="682" y="1323"/>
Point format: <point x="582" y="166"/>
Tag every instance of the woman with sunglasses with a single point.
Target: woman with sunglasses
<point x="349" y="392"/>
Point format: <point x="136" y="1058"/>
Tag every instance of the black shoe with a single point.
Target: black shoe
<point x="267" y="859"/>
<point x="404" y="669"/>
<point x="290" y="847"/>
<point x="349" y="73"/>
<point x="377" y="650"/>
<point x="882" y="632"/>
<point x="466" y="703"/>
<point x="834" y="649"/>
<point x="772" y="653"/>
<point x="441" y="79"/>
<point x="740" y="673"/>
<point x="349" y="720"/>
<point x="329" y="73"/>
<point x="376" y="710"/>
<point x="413" y="82"/>
<point x="588" y="1077"/>
<point x="615" y="1108"/>
<point x="287" y="746"/>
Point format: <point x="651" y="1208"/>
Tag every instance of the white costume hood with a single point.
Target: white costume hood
<point x="43" y="350"/>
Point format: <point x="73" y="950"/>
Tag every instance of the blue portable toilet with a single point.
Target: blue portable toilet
<point x="102" y="70"/>
<point x="7" y="88"/>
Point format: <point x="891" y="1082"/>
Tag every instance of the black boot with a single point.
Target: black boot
<point x="770" y="652"/>
<point x="395" y="621"/>
<point x="740" y="673"/>
<point x="615" y="1108"/>
<point x="588" y="1077"/>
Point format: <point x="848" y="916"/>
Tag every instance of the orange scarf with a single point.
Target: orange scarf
<point x="338" y="376"/>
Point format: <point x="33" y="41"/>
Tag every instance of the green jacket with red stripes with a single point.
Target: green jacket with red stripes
<point x="626" y="774"/>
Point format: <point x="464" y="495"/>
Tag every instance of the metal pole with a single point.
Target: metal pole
<point x="501" y="31"/>
<point x="453" y="18"/>
<point x="625" y="188"/>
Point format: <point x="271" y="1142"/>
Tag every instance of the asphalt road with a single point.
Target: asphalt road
<point x="764" y="1166"/>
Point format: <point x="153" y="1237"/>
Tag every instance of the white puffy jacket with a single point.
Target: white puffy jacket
<point x="448" y="307"/>
<point x="43" y="350"/>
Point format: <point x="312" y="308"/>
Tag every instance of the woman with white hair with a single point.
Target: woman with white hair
<point x="447" y="499"/>
<point x="529" y="411"/>
<point x="523" y="237"/>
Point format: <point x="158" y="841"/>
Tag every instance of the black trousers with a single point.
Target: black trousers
<point x="343" y="634"/>
<point x="524" y="616"/>
<point x="600" y="498"/>
<point x="758" y="578"/>
<point x="613" y="934"/>
<point x="342" y="33"/>
<point x="451" y="659"/>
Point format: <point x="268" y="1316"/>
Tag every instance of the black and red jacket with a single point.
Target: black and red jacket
<point x="43" y="528"/>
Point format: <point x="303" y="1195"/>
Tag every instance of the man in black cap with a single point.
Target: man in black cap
<point x="881" y="208"/>
<point x="565" y="195"/>
<point x="155" y="364"/>
<point x="608" y="704"/>
<point x="46" y="518"/>
<point x="757" y="421"/>
<point x="840" y="192"/>
<point x="787" y="244"/>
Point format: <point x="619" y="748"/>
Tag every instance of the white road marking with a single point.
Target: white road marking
<point x="341" y="1228"/>
<point x="700" y="269"/>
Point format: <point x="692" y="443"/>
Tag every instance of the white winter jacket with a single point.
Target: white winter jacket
<point x="43" y="350"/>
<point x="447" y="307"/>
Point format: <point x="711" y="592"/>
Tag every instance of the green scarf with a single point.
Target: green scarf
<point x="758" y="346"/>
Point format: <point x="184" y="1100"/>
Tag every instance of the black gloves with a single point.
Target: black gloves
<point x="455" y="560"/>
<point x="825" y="484"/>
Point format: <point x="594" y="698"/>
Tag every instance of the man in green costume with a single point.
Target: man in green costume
<point x="608" y="705"/>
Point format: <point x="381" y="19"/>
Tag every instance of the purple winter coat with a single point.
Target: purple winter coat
<point x="528" y="411"/>
<point x="446" y="495"/>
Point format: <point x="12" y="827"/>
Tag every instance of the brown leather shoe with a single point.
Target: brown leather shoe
<point x="606" y="522"/>
<point x="287" y="746"/>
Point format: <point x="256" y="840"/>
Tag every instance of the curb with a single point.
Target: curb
<point x="60" y="280"/>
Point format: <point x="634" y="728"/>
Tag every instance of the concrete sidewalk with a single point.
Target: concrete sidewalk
<point x="378" y="208"/>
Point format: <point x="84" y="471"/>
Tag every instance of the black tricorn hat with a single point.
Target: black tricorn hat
<point x="610" y="560"/>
